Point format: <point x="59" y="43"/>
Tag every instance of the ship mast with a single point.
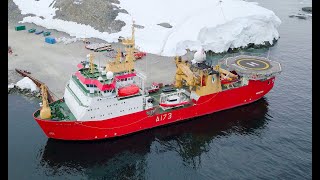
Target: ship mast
<point x="126" y="65"/>
<point x="129" y="46"/>
<point x="91" y="63"/>
<point x="118" y="57"/>
<point x="45" y="112"/>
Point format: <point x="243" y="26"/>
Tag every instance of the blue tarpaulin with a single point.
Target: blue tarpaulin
<point x="50" y="40"/>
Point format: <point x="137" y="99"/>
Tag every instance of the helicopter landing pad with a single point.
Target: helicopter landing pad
<point x="253" y="63"/>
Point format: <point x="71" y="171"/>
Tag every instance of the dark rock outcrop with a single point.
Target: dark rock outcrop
<point x="166" y="25"/>
<point x="307" y="9"/>
<point x="100" y="14"/>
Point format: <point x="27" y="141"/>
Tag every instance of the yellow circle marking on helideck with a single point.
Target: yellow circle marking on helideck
<point x="252" y="60"/>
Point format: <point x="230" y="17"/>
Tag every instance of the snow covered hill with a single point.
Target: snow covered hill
<point x="215" y="25"/>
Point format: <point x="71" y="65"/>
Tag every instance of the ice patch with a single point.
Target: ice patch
<point x="27" y="83"/>
<point x="65" y="40"/>
<point x="10" y="86"/>
<point x="77" y="2"/>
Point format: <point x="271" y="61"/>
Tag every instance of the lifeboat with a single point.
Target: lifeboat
<point x="174" y="101"/>
<point x="128" y="90"/>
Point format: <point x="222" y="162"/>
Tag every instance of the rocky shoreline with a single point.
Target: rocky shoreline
<point x="13" y="89"/>
<point x="13" y="78"/>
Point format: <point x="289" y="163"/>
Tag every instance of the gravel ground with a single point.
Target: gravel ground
<point x="99" y="14"/>
<point x="13" y="76"/>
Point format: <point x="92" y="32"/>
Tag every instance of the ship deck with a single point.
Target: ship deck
<point x="253" y="67"/>
<point x="156" y="98"/>
<point x="95" y="75"/>
<point x="59" y="112"/>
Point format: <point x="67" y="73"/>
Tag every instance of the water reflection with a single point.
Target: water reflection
<point x="126" y="157"/>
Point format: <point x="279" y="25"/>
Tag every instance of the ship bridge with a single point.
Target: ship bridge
<point x="253" y="67"/>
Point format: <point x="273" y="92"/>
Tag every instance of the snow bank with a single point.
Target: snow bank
<point x="77" y="2"/>
<point x="67" y="40"/>
<point x="10" y="86"/>
<point x="27" y="83"/>
<point x="42" y="8"/>
<point x="215" y="25"/>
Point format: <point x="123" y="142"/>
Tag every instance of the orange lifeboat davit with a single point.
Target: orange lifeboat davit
<point x="229" y="78"/>
<point x="228" y="81"/>
<point x="128" y="90"/>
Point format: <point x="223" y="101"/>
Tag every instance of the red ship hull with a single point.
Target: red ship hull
<point x="123" y="125"/>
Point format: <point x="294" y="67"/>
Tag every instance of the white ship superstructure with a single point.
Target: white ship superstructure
<point x="99" y="93"/>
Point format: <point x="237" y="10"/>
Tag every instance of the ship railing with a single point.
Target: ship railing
<point x="256" y="74"/>
<point x="263" y="54"/>
<point x="75" y="97"/>
<point x="83" y="89"/>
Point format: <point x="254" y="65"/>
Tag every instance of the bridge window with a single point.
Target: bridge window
<point x="172" y="100"/>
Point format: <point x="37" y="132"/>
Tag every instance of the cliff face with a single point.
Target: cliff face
<point x="14" y="13"/>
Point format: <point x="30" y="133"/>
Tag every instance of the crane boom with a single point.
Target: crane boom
<point x="45" y="112"/>
<point x="188" y="74"/>
<point x="185" y="73"/>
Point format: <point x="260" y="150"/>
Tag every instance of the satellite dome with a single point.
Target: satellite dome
<point x="109" y="75"/>
<point x="200" y="56"/>
<point x="100" y="78"/>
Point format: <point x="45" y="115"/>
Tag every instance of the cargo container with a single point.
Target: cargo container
<point x="19" y="28"/>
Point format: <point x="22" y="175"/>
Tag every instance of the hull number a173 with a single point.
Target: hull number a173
<point x="163" y="117"/>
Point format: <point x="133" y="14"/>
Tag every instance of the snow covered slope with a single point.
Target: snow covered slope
<point x="27" y="83"/>
<point x="215" y="25"/>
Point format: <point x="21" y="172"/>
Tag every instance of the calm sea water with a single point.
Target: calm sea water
<point x="268" y="139"/>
